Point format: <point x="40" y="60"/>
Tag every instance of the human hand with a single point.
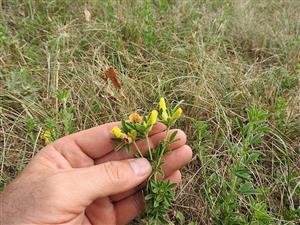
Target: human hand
<point x="79" y="179"/>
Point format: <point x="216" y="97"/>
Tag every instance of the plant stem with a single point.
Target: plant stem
<point x="149" y="147"/>
<point x="163" y="151"/>
<point x="138" y="149"/>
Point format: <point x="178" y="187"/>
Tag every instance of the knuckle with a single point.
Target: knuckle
<point x="113" y="172"/>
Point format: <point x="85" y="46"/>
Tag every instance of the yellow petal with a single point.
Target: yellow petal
<point x="116" y="131"/>
<point x="162" y="104"/>
<point x="153" y="117"/>
<point x="132" y="134"/>
<point x="164" y="116"/>
<point x="46" y="135"/>
<point x="177" y="114"/>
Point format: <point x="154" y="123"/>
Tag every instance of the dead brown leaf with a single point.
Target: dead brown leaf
<point x="112" y="75"/>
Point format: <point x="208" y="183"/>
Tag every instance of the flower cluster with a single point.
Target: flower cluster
<point x="159" y="193"/>
<point x="139" y="126"/>
<point x="169" y="115"/>
<point x="136" y="127"/>
<point x="46" y="136"/>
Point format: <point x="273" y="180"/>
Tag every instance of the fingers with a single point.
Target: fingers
<point x="176" y="162"/>
<point x="94" y="142"/>
<point x="127" y="209"/>
<point x="130" y="207"/>
<point x="101" y="211"/>
<point x="177" y="159"/>
<point x="79" y="149"/>
<point x="175" y="177"/>
<point x="122" y="212"/>
<point x="173" y="162"/>
<point x="143" y="146"/>
<point x="104" y="180"/>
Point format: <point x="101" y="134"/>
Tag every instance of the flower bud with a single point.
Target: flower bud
<point x="164" y="115"/>
<point x="46" y="135"/>
<point x="116" y="131"/>
<point x="135" y="117"/>
<point x="177" y="114"/>
<point x="132" y="134"/>
<point x="153" y="117"/>
<point x="162" y="104"/>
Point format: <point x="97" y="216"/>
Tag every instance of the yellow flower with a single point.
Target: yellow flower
<point x="116" y="131"/>
<point x="163" y="107"/>
<point x="132" y="134"/>
<point x="162" y="104"/>
<point x="177" y="114"/>
<point x="153" y="117"/>
<point x="46" y="135"/>
<point x="135" y="117"/>
<point x="164" y="116"/>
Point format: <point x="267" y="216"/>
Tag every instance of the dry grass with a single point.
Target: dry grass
<point x="221" y="57"/>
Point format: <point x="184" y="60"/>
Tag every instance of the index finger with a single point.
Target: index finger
<point x="97" y="141"/>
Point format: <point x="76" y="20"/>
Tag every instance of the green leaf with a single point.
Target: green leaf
<point x="130" y="125"/>
<point x="233" y="148"/>
<point x="257" y="115"/>
<point x="262" y="215"/>
<point x="247" y="189"/>
<point x="123" y="123"/>
<point x="156" y="204"/>
<point x="63" y="96"/>
<point x="263" y="129"/>
<point x="192" y="223"/>
<point x="127" y="149"/>
<point x="239" y="123"/>
<point x="116" y="139"/>
<point x="177" y="105"/>
<point x="243" y="174"/>
<point x="180" y="217"/>
<point x="255" y="139"/>
<point x="167" y="151"/>
<point x="171" y="139"/>
<point x="126" y="127"/>
<point x="253" y="157"/>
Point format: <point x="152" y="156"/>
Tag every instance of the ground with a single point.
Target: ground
<point x="235" y="65"/>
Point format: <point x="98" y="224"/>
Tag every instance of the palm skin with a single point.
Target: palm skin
<point x="79" y="179"/>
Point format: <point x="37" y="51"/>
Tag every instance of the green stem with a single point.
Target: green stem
<point x="138" y="149"/>
<point x="234" y="179"/>
<point x="163" y="151"/>
<point x="149" y="148"/>
<point x="167" y="134"/>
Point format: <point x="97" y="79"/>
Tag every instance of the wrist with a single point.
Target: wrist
<point x="12" y="211"/>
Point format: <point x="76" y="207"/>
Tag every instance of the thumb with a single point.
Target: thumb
<point x="107" y="178"/>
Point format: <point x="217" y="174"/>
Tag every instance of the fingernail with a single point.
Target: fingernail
<point x="140" y="166"/>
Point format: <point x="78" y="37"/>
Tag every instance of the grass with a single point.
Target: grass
<point x="236" y="65"/>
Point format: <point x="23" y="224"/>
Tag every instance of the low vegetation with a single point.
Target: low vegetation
<point x="235" y="64"/>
